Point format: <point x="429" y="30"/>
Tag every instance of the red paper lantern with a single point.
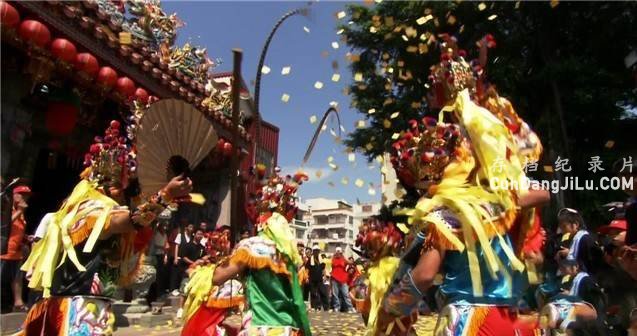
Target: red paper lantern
<point x="220" y="144"/>
<point x="141" y="95"/>
<point x="227" y="149"/>
<point x="107" y="77"/>
<point x="9" y="15"/>
<point x="87" y="64"/>
<point x="61" y="118"/>
<point x="63" y="49"/>
<point x="125" y="86"/>
<point x="35" y="32"/>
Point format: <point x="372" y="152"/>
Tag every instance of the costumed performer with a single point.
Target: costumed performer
<point x="102" y="224"/>
<point x="460" y="226"/>
<point x="268" y="263"/>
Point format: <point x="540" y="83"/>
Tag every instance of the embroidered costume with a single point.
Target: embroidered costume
<point x="273" y="297"/>
<point x="473" y="223"/>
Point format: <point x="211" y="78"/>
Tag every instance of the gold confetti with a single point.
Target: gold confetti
<point x="125" y="38"/>
<point x="336" y="77"/>
<point x="389" y="21"/>
<point x="405" y="38"/>
<point x="360" y="124"/>
<point x="340" y="31"/>
<point x="492" y="17"/>
<point x="318" y="173"/>
<point x="386" y="123"/>
<point x="344" y="181"/>
<point x="333" y="166"/>
<point x="358" y="77"/>
<point x="517" y="4"/>
<point x="286" y="70"/>
<point x="355" y="57"/>
<point x="424" y="19"/>
<point x="318" y="85"/>
<point x="325" y="53"/>
<point x="371" y="111"/>
<point x="330" y="159"/>
<point x="285" y="97"/>
<point x="451" y="20"/>
<point x="423" y="48"/>
<point x="380" y="159"/>
<point x="609" y="144"/>
<point x="331" y="184"/>
<point x="313" y="119"/>
<point x="548" y="169"/>
<point x="371" y="191"/>
<point x="369" y="146"/>
<point x="340" y="15"/>
<point x="359" y="183"/>
<point x="395" y="136"/>
<point x="306" y="29"/>
<point x="554" y="3"/>
<point x="334" y="104"/>
<point x="372" y="30"/>
<point x="412" y="49"/>
<point x="335" y="45"/>
<point x="482" y="6"/>
<point x="265" y="70"/>
<point x="351" y="157"/>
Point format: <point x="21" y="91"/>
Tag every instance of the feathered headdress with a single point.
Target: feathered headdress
<point x="111" y="159"/>
<point x="423" y="152"/>
<point x="277" y="193"/>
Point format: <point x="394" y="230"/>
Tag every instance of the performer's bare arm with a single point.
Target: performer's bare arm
<point x="225" y="272"/>
<point x="533" y="198"/>
<point x="427" y="268"/>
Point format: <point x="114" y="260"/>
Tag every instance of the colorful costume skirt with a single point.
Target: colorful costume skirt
<point x="460" y="319"/>
<point x="70" y="316"/>
<point x="562" y="312"/>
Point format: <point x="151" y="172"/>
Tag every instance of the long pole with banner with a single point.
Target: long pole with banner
<point x="235" y="207"/>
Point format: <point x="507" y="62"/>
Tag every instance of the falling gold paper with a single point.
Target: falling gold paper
<point x="554" y="3"/>
<point x="351" y="157"/>
<point x="451" y="20"/>
<point x="265" y="70"/>
<point x="335" y="45"/>
<point x="313" y="119"/>
<point x="330" y="159"/>
<point x="334" y="104"/>
<point x="306" y="29"/>
<point x="609" y="144"/>
<point x="424" y="19"/>
<point x="125" y="38"/>
<point x="325" y="53"/>
<point x="345" y="181"/>
<point x="360" y="124"/>
<point x="359" y="183"/>
<point x="285" y="97"/>
<point x="286" y="70"/>
<point x="395" y="136"/>
<point x="341" y="15"/>
<point x="492" y="17"/>
<point x="386" y="123"/>
<point x="318" y="174"/>
<point x="371" y="111"/>
<point x="336" y="77"/>
<point x="482" y="6"/>
<point x="331" y="184"/>
<point x="548" y="169"/>
<point x="371" y="191"/>
<point x="340" y="31"/>
<point x="358" y="77"/>
<point x="318" y="85"/>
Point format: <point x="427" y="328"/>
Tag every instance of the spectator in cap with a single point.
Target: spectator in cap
<point x="340" y="289"/>
<point x="10" y="262"/>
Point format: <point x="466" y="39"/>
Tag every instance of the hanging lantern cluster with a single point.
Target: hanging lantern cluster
<point x="224" y="147"/>
<point x="38" y="38"/>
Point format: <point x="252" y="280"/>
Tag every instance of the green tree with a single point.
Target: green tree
<point x="561" y="65"/>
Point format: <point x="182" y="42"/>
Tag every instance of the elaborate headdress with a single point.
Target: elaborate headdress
<point x="421" y="155"/>
<point x="277" y="193"/>
<point x="378" y="239"/>
<point x="111" y="159"/>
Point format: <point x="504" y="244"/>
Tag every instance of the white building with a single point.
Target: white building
<point x="364" y="211"/>
<point x="300" y="225"/>
<point x="331" y="224"/>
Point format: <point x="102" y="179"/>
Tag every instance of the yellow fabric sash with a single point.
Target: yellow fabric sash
<point x="278" y="230"/>
<point x="198" y="289"/>
<point x="379" y="278"/>
<point x="56" y="245"/>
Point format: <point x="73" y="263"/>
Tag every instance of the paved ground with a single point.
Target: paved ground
<point x="323" y="324"/>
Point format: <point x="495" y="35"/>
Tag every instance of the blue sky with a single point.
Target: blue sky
<point x="221" y="26"/>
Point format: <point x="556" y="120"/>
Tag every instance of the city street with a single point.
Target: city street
<point x="323" y="324"/>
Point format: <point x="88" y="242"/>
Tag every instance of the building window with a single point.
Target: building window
<point x="351" y="219"/>
<point x="351" y="234"/>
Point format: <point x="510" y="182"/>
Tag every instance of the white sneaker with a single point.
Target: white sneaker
<point x="180" y="313"/>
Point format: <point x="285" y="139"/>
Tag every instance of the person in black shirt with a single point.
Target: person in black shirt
<point x="192" y="251"/>
<point x="577" y="243"/>
<point x="318" y="291"/>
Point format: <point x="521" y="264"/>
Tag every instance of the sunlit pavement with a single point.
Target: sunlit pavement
<point x="323" y="323"/>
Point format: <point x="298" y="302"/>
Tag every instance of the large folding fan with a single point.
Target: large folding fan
<point x="170" y="128"/>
